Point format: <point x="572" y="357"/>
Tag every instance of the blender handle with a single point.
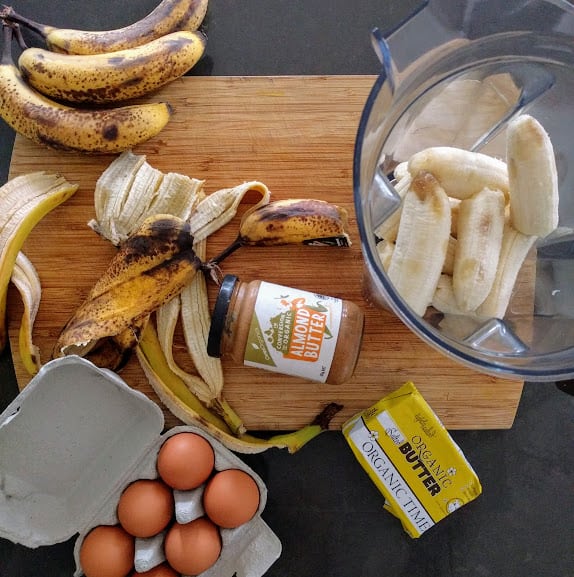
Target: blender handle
<point x="416" y="35"/>
<point x="383" y="52"/>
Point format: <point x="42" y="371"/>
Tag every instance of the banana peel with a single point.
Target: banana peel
<point x="150" y="268"/>
<point x="25" y="278"/>
<point x="24" y="201"/>
<point x="114" y="352"/>
<point x="155" y="270"/>
<point x="126" y="193"/>
<point x="178" y="399"/>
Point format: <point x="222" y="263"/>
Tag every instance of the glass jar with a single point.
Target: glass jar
<point x="286" y="330"/>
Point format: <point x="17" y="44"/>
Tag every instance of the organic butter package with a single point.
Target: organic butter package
<point x="412" y="459"/>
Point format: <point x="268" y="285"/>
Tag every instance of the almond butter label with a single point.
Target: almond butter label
<point x="293" y="332"/>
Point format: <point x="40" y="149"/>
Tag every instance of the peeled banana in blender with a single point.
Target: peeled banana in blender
<point x="422" y="241"/>
<point x="498" y="208"/>
<point x="480" y="228"/>
<point x="461" y="173"/>
<point x="533" y="178"/>
<point x="514" y="250"/>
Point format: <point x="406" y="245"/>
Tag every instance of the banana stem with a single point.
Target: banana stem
<point x="237" y="243"/>
<point x="20" y="37"/>
<point x="324" y="418"/>
<point x="7" y="35"/>
<point x="8" y="13"/>
<point x="296" y="439"/>
<point x="233" y="420"/>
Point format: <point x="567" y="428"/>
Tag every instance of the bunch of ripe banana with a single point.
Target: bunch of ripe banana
<point x="467" y="222"/>
<point x="67" y="96"/>
<point x="157" y="282"/>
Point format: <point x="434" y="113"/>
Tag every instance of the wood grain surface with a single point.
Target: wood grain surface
<point x="295" y="134"/>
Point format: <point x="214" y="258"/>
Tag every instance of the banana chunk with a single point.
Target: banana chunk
<point x="443" y="299"/>
<point x="480" y="227"/>
<point x="461" y="173"/>
<point x="385" y="249"/>
<point x="422" y="241"/>
<point x="389" y="228"/>
<point x="514" y="250"/>
<point x="532" y="176"/>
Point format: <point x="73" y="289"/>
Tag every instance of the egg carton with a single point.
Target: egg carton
<point x="74" y="439"/>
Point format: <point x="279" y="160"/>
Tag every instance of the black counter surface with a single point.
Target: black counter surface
<point x="325" y="510"/>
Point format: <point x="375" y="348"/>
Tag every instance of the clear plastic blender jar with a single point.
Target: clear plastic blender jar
<point x="454" y="74"/>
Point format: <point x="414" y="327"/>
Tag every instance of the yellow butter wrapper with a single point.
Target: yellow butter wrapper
<point x="410" y="456"/>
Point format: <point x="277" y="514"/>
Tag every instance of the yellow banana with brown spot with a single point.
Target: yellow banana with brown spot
<point x="149" y="269"/>
<point x="291" y="221"/>
<point x="114" y="76"/>
<point x="169" y="16"/>
<point x="62" y="127"/>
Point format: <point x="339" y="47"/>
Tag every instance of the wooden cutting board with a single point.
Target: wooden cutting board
<point x="295" y="134"/>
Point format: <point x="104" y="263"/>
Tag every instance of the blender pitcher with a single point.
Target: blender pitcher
<point x="454" y="74"/>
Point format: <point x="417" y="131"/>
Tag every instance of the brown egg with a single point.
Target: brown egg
<point x="185" y="461"/>
<point x="107" y="551"/>
<point x="191" y="548"/>
<point x="163" y="570"/>
<point x="146" y="507"/>
<point x="231" y="498"/>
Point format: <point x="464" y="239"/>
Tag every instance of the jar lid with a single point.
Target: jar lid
<point x="219" y="315"/>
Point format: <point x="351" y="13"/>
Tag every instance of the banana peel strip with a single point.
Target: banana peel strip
<point x="130" y="190"/>
<point x="212" y="213"/>
<point x="218" y="208"/>
<point x="24" y="201"/>
<point x="196" y="321"/>
<point x="182" y="403"/>
<point x="25" y="278"/>
<point x="166" y="317"/>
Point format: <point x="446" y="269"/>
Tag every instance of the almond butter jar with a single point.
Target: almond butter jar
<point x="286" y="330"/>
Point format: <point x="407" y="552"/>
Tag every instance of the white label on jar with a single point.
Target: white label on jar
<point x="293" y="332"/>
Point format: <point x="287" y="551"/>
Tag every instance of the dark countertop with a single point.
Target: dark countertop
<point x="321" y="504"/>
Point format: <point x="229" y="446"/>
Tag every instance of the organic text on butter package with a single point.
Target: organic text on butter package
<point x="412" y="459"/>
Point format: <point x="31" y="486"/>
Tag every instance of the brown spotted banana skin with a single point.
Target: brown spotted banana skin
<point x="52" y="124"/>
<point x="169" y="16"/>
<point x="149" y="269"/>
<point x="114" y="76"/>
<point x="294" y="221"/>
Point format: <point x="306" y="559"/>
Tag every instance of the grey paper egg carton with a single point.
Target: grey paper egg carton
<point x="74" y="439"/>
